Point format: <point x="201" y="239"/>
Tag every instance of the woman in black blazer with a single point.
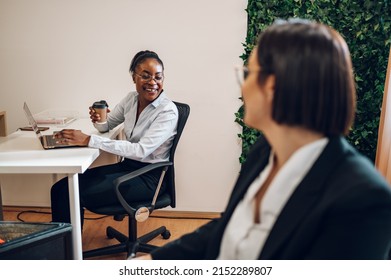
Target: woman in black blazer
<point x="303" y="192"/>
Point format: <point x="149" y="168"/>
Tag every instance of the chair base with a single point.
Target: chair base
<point x="131" y="247"/>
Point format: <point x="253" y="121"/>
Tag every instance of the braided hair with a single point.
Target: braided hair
<point x="142" y="56"/>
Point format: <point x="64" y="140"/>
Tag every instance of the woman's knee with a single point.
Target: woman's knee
<point x="60" y="188"/>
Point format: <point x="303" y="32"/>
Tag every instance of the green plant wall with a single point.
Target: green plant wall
<point x="366" y="27"/>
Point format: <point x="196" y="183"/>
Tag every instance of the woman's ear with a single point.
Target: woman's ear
<point x="269" y="86"/>
<point x="133" y="78"/>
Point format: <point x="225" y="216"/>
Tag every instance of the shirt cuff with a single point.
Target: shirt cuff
<point x="95" y="141"/>
<point x="102" y="127"/>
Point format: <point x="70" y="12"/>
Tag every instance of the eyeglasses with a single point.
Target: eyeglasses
<point x="145" y="77"/>
<point x="242" y="73"/>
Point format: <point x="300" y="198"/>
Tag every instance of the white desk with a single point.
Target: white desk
<point x="21" y="153"/>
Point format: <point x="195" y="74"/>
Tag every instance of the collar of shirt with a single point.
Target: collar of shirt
<point x="158" y="100"/>
<point x="243" y="239"/>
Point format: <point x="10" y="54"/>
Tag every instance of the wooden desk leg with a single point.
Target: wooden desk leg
<point x="3" y="124"/>
<point x="1" y="206"/>
<point x="74" y="203"/>
<point x="3" y="132"/>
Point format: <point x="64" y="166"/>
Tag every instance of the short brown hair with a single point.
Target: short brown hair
<point x="314" y="84"/>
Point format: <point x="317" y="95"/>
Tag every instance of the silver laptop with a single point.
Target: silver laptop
<point x="47" y="141"/>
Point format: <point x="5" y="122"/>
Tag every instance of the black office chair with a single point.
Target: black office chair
<point x="139" y="211"/>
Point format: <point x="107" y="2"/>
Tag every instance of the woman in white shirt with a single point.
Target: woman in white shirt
<point x="304" y="192"/>
<point x="150" y="120"/>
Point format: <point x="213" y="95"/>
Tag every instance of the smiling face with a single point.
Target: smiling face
<point x="148" y="77"/>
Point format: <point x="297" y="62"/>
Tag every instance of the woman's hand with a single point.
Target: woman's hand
<point x="94" y="116"/>
<point x="72" y="137"/>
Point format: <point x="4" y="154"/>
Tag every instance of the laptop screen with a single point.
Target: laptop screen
<point x="31" y="119"/>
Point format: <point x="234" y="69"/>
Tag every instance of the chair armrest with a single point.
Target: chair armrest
<point x="117" y="182"/>
<point x="139" y="172"/>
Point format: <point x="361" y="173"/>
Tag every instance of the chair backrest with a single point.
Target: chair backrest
<point x="183" y="111"/>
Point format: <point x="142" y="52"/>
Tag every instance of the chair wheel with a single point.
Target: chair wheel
<point x="109" y="233"/>
<point x="166" y="234"/>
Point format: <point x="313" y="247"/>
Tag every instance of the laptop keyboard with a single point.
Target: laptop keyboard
<point x="50" y="141"/>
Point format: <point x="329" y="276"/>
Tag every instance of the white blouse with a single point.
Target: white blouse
<point x="244" y="239"/>
<point x="148" y="139"/>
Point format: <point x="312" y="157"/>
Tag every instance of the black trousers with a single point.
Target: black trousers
<point x="96" y="188"/>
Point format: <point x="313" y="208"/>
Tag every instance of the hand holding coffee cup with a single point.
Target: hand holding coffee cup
<point x="98" y="111"/>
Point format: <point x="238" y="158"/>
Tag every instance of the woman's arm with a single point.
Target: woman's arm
<point x="161" y="129"/>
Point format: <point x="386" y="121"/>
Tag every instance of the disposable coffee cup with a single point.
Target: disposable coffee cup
<point x="100" y="107"/>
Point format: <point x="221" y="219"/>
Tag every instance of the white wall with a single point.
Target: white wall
<point x="67" y="54"/>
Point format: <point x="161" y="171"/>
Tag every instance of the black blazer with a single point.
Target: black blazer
<point x="340" y="210"/>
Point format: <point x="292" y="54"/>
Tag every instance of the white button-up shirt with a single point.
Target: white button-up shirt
<point x="147" y="140"/>
<point x="244" y="239"/>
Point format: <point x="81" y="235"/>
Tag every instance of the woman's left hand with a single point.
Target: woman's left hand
<point x="72" y="137"/>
